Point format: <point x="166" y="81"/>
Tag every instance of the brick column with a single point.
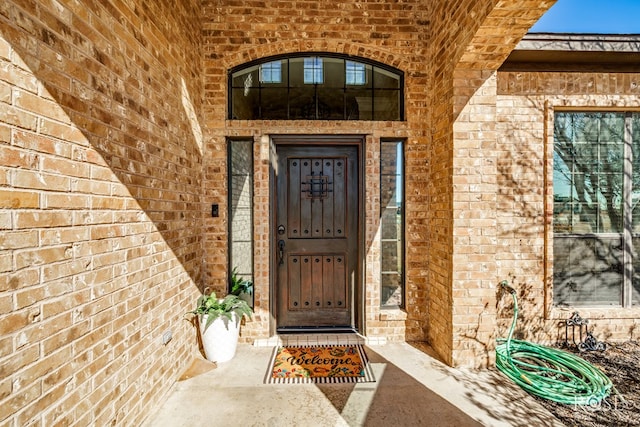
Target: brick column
<point x="474" y="217"/>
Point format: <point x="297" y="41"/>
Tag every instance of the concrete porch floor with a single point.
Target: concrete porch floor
<point x="412" y="388"/>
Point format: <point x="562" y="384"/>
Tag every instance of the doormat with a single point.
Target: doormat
<point x="319" y="364"/>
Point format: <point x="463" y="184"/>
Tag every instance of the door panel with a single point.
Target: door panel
<point x="317" y="219"/>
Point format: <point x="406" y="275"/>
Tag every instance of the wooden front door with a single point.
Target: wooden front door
<point x="316" y="236"/>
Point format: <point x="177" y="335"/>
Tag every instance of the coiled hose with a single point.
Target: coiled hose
<point x="547" y="372"/>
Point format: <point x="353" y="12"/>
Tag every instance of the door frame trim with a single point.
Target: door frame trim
<point x="359" y="291"/>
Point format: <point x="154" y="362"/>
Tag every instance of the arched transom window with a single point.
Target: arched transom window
<point x="315" y="87"/>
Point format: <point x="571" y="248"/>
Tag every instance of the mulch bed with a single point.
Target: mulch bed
<point x="621" y="363"/>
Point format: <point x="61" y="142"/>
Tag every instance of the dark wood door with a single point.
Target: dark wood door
<point x="316" y="236"/>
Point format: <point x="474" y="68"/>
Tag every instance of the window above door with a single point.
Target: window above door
<point x="315" y="87"/>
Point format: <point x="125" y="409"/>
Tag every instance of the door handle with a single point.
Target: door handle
<point x="281" y="251"/>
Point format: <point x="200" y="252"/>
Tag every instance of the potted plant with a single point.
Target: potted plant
<point x="219" y="324"/>
<point x="241" y="287"/>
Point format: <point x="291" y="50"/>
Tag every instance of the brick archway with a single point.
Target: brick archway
<point x="493" y="41"/>
<point x="351" y="49"/>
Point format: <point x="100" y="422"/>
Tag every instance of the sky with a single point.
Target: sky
<point x="591" y="16"/>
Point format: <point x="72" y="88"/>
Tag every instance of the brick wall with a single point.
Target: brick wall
<point x="113" y="146"/>
<point x="100" y="214"/>
<point x="525" y="106"/>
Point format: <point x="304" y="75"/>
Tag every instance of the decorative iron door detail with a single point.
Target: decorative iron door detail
<point x="317" y="193"/>
<point x="316" y="186"/>
<point x="317" y="206"/>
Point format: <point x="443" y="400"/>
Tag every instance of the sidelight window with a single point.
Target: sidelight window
<point x="241" y="208"/>
<point x="392" y="223"/>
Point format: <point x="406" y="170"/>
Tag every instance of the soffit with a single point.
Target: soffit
<point x="575" y="52"/>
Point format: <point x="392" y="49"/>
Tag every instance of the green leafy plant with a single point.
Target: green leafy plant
<point x="214" y="308"/>
<point x="239" y="284"/>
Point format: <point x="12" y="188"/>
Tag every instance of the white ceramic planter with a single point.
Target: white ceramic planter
<point x="220" y="340"/>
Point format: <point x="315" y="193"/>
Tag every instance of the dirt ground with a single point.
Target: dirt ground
<point x="621" y="363"/>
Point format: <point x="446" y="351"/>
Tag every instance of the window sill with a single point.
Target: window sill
<point x="612" y="312"/>
<point x="392" y="313"/>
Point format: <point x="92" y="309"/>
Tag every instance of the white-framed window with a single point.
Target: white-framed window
<point x="596" y="212"/>
<point x="271" y="72"/>
<point x="313" y="72"/>
<point x="355" y="73"/>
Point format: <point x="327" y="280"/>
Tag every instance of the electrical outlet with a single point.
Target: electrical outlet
<point x="166" y="337"/>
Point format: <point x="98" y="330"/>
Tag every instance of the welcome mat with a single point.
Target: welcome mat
<point x="319" y="364"/>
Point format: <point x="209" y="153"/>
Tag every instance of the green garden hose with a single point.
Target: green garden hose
<point x="547" y="372"/>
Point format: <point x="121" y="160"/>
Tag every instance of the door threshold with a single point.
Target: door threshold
<point x="316" y="330"/>
<point x="311" y="339"/>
